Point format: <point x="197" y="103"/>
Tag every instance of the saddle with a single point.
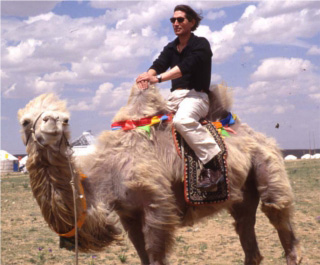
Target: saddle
<point x="193" y="167"/>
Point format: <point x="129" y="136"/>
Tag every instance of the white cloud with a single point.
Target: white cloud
<point x="281" y="68"/>
<point x="314" y="50"/>
<point x="42" y="17"/>
<point x="280" y="86"/>
<point x="215" y="78"/>
<point x="107" y="99"/>
<point x="40" y="46"/>
<point x="315" y="97"/>
<point x="41" y="86"/>
<point x="215" y="15"/>
<point x="250" y="10"/>
<point x="202" y="5"/>
<point x="279" y="109"/>
<point x="104" y="90"/>
<point x="3" y="74"/>
<point x="222" y="42"/>
<point x="111" y="4"/>
<point x="26" y="8"/>
<point x="16" y="54"/>
<point x="283" y="24"/>
<point x="248" y="49"/>
<point x="275" y="8"/>
<point x="11" y="90"/>
<point x="61" y="76"/>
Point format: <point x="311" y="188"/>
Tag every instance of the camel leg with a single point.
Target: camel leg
<point x="277" y="200"/>
<point x="134" y="229"/>
<point x="156" y="244"/>
<point x="244" y="214"/>
<point x="280" y="219"/>
<point x="158" y="237"/>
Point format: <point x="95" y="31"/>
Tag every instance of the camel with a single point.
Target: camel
<point x="138" y="177"/>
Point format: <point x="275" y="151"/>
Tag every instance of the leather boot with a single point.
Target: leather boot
<point x="210" y="176"/>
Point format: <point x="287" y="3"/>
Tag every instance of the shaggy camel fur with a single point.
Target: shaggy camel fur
<point x="139" y="178"/>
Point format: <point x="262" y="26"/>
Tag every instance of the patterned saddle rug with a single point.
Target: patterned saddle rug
<point x="193" y="167"/>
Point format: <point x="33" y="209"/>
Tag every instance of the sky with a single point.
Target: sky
<point x="90" y="53"/>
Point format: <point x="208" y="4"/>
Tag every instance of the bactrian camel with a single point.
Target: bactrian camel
<point x="139" y="177"/>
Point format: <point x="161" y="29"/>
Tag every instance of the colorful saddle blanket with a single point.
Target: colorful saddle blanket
<point x="193" y="167"/>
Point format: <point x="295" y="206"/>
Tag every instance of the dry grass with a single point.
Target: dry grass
<point x="26" y="238"/>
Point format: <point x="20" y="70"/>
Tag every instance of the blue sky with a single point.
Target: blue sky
<point x="90" y="52"/>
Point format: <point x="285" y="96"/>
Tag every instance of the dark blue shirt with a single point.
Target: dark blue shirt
<point x="194" y="62"/>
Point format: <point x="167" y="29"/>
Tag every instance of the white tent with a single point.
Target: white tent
<point x="22" y="164"/>
<point x="306" y="156"/>
<point x="316" y="156"/>
<point x="23" y="161"/>
<point x="84" y="144"/>
<point x="83" y="150"/>
<point x="9" y="163"/>
<point x="290" y="157"/>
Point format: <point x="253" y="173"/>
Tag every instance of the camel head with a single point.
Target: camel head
<point x="44" y="120"/>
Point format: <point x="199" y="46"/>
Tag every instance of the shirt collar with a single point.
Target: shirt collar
<point x="174" y="43"/>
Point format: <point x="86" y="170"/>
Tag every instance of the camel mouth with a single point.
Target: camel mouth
<point x="49" y="137"/>
<point x="52" y="133"/>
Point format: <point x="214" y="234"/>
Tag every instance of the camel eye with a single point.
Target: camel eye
<point x="25" y="123"/>
<point x="66" y="121"/>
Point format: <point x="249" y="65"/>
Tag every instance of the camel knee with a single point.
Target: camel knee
<point x="279" y="217"/>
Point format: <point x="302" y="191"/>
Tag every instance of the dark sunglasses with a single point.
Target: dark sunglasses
<point x="180" y="19"/>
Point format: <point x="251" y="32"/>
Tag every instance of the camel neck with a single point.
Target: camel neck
<point x="50" y="178"/>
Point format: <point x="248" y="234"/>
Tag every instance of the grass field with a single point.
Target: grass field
<point x="26" y="238"/>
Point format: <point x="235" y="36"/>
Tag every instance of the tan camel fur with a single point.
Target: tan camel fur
<point x="139" y="178"/>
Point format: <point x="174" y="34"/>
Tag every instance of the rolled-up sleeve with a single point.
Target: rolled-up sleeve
<point x="162" y="63"/>
<point x="199" y="55"/>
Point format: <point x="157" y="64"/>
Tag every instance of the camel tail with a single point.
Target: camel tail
<point x="221" y="101"/>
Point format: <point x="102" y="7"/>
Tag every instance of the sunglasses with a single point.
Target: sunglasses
<point x="180" y="19"/>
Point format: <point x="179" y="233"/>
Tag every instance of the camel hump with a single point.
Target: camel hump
<point x="221" y="101"/>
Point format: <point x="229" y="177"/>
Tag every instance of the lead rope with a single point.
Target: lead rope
<point x="69" y="153"/>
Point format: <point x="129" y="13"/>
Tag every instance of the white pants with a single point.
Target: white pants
<point x="190" y="106"/>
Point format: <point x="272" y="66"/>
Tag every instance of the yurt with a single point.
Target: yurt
<point x="316" y="156"/>
<point x="22" y="164"/>
<point x="9" y="163"/>
<point x="306" y="156"/>
<point x="84" y="144"/>
<point x="290" y="157"/>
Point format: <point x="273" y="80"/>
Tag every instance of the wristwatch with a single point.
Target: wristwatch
<point x="159" y="78"/>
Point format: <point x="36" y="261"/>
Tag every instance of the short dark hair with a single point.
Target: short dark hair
<point x="190" y="14"/>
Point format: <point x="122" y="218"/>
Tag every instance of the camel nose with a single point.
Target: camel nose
<point x="50" y="121"/>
